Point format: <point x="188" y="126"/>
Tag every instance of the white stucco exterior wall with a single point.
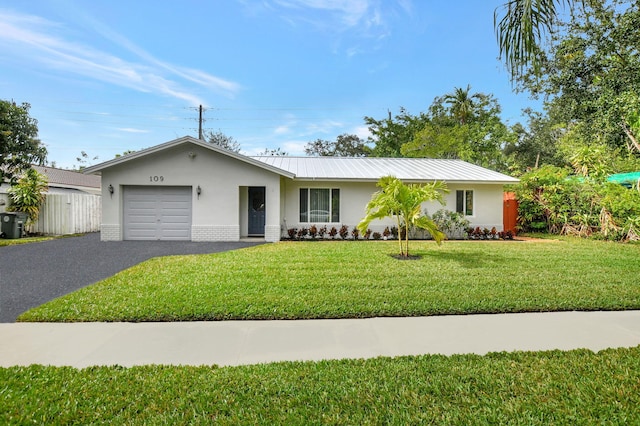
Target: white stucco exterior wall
<point x="354" y="197"/>
<point x="488" y="204"/>
<point x="217" y="213"/>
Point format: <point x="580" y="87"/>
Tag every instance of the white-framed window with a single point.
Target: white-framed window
<point x="464" y="202"/>
<point x="319" y="205"/>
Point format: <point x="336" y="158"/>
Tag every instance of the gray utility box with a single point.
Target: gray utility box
<point x="12" y="224"/>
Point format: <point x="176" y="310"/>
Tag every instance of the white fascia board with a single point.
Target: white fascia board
<point x="96" y="169"/>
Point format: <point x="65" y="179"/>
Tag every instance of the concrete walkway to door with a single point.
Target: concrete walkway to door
<point x="32" y="274"/>
<point x="229" y="343"/>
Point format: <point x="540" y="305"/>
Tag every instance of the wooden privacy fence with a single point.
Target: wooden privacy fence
<point x="510" y="212"/>
<point x="63" y="214"/>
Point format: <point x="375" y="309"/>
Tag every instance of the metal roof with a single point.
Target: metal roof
<point x="339" y="168"/>
<point x="372" y="169"/>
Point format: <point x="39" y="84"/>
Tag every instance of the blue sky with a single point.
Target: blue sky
<point x="109" y="76"/>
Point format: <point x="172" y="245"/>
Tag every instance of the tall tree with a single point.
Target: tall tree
<point x="345" y="145"/>
<point x="591" y="73"/>
<point x="389" y="134"/>
<point x="463" y="126"/>
<point x="19" y="143"/>
<point x="223" y="141"/>
<point x="462" y="104"/>
<point x="536" y="144"/>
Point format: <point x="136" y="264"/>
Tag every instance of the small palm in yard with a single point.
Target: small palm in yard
<point x="28" y="194"/>
<point x="404" y="202"/>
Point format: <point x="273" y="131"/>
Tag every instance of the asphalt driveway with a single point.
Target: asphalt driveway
<point x="32" y="274"/>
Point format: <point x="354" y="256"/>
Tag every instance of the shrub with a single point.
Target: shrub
<point x="550" y="200"/>
<point x="333" y="232"/>
<point x="313" y="231"/>
<point x="506" y="235"/>
<point x="302" y="232"/>
<point x="377" y="236"/>
<point x="292" y="232"/>
<point x="344" y="232"/>
<point x="475" y="233"/>
<point x="453" y="224"/>
<point x="394" y="232"/>
<point x="28" y="194"/>
<point x="355" y="233"/>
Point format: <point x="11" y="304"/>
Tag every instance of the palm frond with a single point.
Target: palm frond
<point x="520" y="26"/>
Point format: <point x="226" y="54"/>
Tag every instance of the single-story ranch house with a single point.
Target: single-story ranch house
<point x="188" y="189"/>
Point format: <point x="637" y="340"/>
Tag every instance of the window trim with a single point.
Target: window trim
<point x="465" y="205"/>
<point x="332" y="205"/>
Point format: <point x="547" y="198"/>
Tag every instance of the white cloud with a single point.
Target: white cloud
<point x="362" y="132"/>
<point x="36" y="39"/>
<point x="350" y="12"/>
<point x="281" y="130"/>
<point x="368" y="19"/>
<point x="325" y="126"/>
<point x="294" y="147"/>
<point x="131" y="130"/>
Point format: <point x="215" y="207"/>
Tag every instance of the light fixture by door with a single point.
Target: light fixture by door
<point x="111" y="190"/>
<point x="198" y="191"/>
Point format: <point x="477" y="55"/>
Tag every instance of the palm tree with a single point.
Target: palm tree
<point x="462" y="105"/>
<point x="521" y="29"/>
<point x="404" y="202"/>
<point x="28" y="194"/>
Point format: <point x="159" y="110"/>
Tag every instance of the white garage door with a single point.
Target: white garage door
<point x="157" y="213"/>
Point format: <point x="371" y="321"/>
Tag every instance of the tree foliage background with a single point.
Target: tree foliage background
<point x="19" y="143"/>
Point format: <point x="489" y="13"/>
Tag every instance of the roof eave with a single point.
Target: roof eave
<point x="374" y="180"/>
<point x="97" y="169"/>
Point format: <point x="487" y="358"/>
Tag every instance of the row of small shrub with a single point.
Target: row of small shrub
<point x="488" y="234"/>
<point x="454" y="225"/>
<point x="314" y="232"/>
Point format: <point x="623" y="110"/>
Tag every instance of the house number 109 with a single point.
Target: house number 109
<point x="156" y="178"/>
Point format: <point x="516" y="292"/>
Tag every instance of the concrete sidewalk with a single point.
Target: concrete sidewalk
<point x="231" y="343"/>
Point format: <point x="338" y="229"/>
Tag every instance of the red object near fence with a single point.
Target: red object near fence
<point x="509" y="212"/>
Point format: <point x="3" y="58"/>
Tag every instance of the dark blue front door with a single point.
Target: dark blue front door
<point x="256" y="211"/>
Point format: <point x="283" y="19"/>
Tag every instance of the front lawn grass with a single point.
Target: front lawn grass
<point x="360" y="279"/>
<point x="575" y="387"/>
<point x="26" y="240"/>
<point x="35" y="239"/>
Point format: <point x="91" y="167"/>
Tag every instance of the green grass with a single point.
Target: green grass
<point x="28" y="240"/>
<point x="16" y="241"/>
<point x="353" y="280"/>
<point x="576" y="387"/>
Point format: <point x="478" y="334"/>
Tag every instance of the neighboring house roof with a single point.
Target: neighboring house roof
<point x="181" y="141"/>
<point x="69" y="179"/>
<point x="339" y="168"/>
<point x="64" y="181"/>
<point x="372" y="169"/>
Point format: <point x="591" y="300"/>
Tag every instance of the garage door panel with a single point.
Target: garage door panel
<point x="142" y="205"/>
<point x="157" y="213"/>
